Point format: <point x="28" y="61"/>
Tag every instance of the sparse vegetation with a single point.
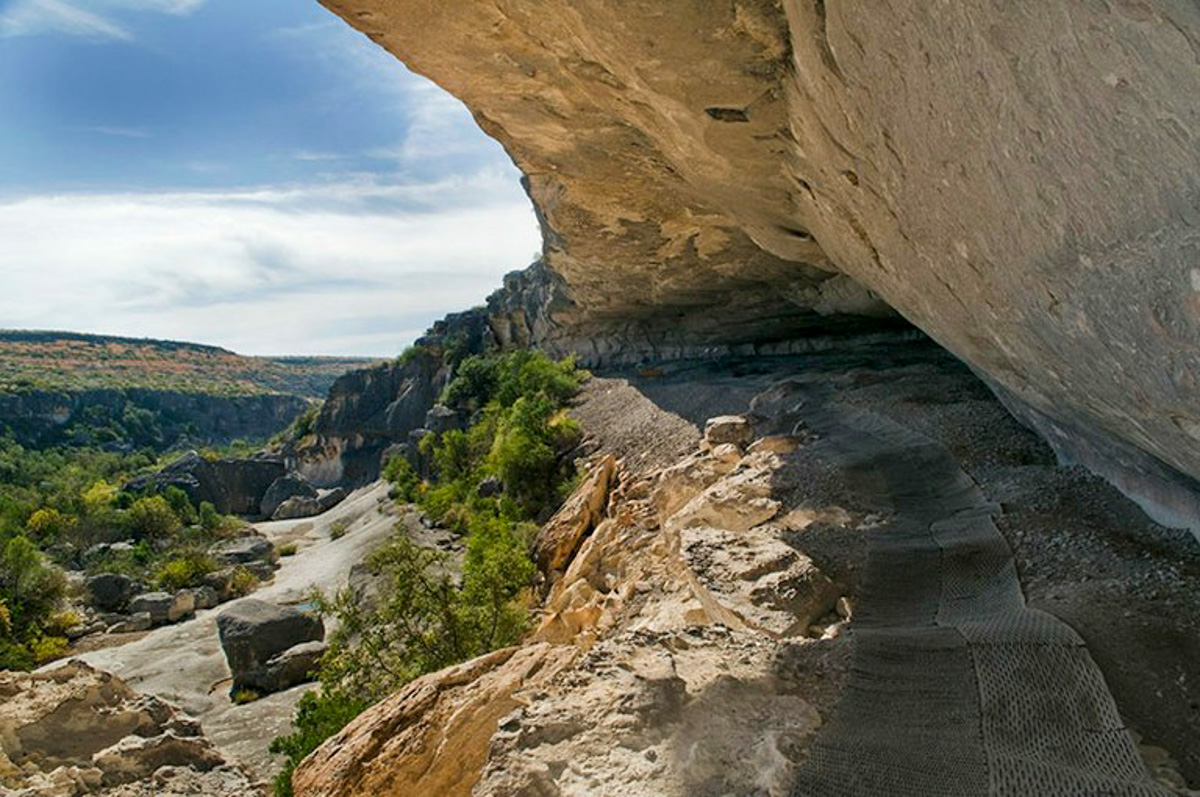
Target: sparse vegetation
<point x="242" y="582"/>
<point x="243" y="696"/>
<point x="427" y="616"/>
<point x="287" y="550"/>
<point x="186" y="570"/>
<point x="338" y="530"/>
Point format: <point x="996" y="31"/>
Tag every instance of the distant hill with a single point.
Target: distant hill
<point x="126" y="393"/>
<point x="72" y="362"/>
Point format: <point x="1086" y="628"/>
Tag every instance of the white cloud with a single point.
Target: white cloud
<point x="351" y="267"/>
<point x="177" y="8"/>
<point x="31" y="17"/>
<point x="120" y="132"/>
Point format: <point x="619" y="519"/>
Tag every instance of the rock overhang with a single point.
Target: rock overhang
<point x="1019" y="181"/>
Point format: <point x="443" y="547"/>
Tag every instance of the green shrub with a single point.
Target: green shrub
<point x="30" y="591"/>
<point x="48" y="648"/>
<point x="400" y="473"/>
<point x="210" y="519"/>
<point x="241" y="697"/>
<point x="289" y="549"/>
<point x="185" y="570"/>
<point x="242" y="582"/>
<point x="48" y="525"/>
<point x="152" y="518"/>
<point x="338" y="530"/>
<point x="319" y="715"/>
<point x="178" y="500"/>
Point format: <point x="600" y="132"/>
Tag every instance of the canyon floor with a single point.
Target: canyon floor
<point x="184" y="663"/>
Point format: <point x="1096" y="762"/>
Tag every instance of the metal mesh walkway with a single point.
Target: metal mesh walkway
<point x="957" y="687"/>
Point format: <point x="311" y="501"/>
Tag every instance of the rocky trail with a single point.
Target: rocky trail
<point x="957" y="687"/>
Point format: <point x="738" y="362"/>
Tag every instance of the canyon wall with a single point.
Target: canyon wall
<point x="142" y="417"/>
<point x="1019" y="179"/>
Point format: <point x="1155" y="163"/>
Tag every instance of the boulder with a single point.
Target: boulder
<point x="293" y="485"/>
<point x="205" y="596"/>
<point x="297" y="508"/>
<point x="441" y="418"/>
<point x="296" y="665"/>
<point x="244" y="550"/>
<point x="263" y="571"/>
<point x="138" y="621"/>
<point x="732" y="429"/>
<point x="110" y="592"/>
<point x="489" y="487"/>
<point x="163" y="607"/>
<point x="328" y="499"/>
<point x="233" y="486"/>
<point x="253" y="632"/>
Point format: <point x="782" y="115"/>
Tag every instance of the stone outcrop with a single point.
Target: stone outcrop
<point x="661" y="619"/>
<point x="232" y="486"/>
<point x="253" y="633"/>
<point x="293" y="485"/>
<point x="1018" y="180"/>
<point x="78" y="731"/>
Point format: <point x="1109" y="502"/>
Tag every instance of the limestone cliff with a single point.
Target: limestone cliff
<point x="1019" y="180"/>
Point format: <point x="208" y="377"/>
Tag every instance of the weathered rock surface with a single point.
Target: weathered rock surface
<point x="297" y="507"/>
<point x="296" y="665"/>
<point x="253" y="632"/>
<point x="292" y="485"/>
<point x="110" y="592"/>
<point x="655" y="630"/>
<point x="78" y="731"/>
<point x="1018" y="180"/>
<point x="232" y="486"/>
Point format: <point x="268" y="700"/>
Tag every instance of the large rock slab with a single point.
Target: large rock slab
<point x="292" y="485"/>
<point x="252" y="632"/>
<point x="76" y="731"/>
<point x="233" y="486"/>
<point x="1017" y="179"/>
<point x="110" y="592"/>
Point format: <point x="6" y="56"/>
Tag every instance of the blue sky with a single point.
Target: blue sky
<point x="247" y="173"/>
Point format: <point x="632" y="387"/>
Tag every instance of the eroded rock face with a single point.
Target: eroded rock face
<point x="669" y="612"/>
<point x="76" y="730"/>
<point x="1020" y="180"/>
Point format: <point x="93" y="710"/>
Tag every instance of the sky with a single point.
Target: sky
<point x="252" y="174"/>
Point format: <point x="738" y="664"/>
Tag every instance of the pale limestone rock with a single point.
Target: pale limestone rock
<point x="560" y="537"/>
<point x="734" y="173"/>
<point x="75" y="731"/>
<point x="728" y="430"/>
<point x="659" y="629"/>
